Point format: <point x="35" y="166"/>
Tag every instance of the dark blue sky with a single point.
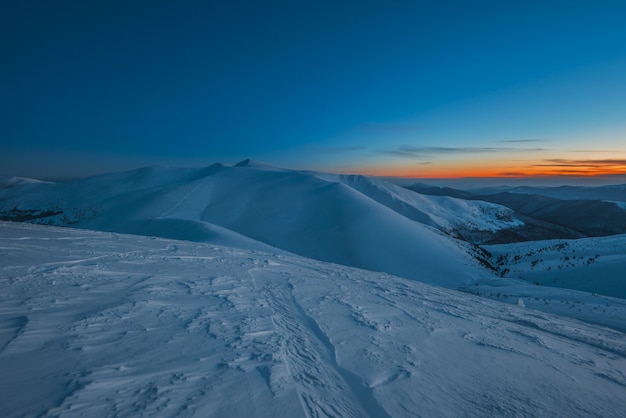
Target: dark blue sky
<point x="363" y="86"/>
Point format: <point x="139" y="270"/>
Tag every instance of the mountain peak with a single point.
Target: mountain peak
<point x="256" y="164"/>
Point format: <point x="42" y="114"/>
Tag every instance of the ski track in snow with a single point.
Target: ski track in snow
<point x="110" y="325"/>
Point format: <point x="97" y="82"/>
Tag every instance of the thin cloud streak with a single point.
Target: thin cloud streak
<point x="562" y="162"/>
<point x="603" y="151"/>
<point x="419" y="153"/>
<point x="512" y="174"/>
<point x="403" y="154"/>
<point x="564" y="166"/>
<point x="521" y="141"/>
<point x="460" y="150"/>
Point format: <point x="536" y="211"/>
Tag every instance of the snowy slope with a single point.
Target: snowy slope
<point x="342" y="219"/>
<point x="8" y="182"/>
<point x="588" y="217"/>
<point x="595" y="265"/>
<point x="570" y="216"/>
<point x="99" y="324"/>
<point x="446" y="213"/>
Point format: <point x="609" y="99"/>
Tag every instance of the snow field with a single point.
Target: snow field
<point x="100" y="324"/>
<point x="594" y="265"/>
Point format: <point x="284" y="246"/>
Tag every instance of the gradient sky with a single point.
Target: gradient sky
<point x="411" y="88"/>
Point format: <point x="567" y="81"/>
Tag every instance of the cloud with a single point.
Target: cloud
<point x="462" y="150"/>
<point x="420" y="153"/>
<point x="563" y="162"/>
<point x="521" y="141"/>
<point x="590" y="151"/>
<point x="512" y="174"/>
<point x="583" y="166"/>
<point x="403" y="152"/>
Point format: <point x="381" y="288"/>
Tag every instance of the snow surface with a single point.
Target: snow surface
<point x="446" y="213"/>
<point x="100" y="324"/>
<point x="350" y="220"/>
<point x="596" y="265"/>
<point x="8" y="182"/>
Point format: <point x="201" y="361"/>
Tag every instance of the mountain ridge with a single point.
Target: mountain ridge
<point x="347" y="219"/>
<point x="350" y="220"/>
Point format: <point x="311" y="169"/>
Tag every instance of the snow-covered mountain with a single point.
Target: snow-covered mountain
<point x="591" y="218"/>
<point x="100" y="324"/>
<point x="458" y="217"/>
<point x="351" y="220"/>
<point x="8" y="182"/>
<point x="549" y="212"/>
<point x="615" y="192"/>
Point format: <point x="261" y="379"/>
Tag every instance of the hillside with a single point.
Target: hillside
<point x="595" y="265"/>
<point x="350" y="220"/>
<point x="589" y="217"/>
<point x="100" y="324"/>
<point x="548" y="213"/>
<point x="615" y="192"/>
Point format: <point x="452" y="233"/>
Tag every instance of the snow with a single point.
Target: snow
<point x="619" y="204"/>
<point x="352" y="221"/>
<point x="231" y="322"/>
<point x="101" y="324"/>
<point x="8" y="182"/>
<point x="595" y="265"/>
<point x="14" y="181"/>
<point x="259" y="165"/>
<point x="443" y="212"/>
<point x="593" y="308"/>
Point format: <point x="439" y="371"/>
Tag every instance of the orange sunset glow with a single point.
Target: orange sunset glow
<point x="504" y="169"/>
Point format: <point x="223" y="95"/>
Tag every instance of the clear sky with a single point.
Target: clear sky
<point x="411" y="88"/>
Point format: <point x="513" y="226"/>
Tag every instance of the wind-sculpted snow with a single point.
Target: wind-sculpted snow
<point x="99" y="324"/>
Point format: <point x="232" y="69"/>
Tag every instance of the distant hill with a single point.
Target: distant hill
<point x="548" y="217"/>
<point x="351" y="220"/>
<point x="592" y="218"/>
<point x="612" y="193"/>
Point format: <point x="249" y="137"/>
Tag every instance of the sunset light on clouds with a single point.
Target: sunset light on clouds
<point x="454" y="163"/>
